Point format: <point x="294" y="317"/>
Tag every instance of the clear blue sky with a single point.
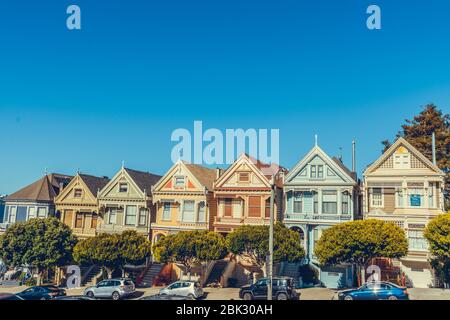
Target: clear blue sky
<point x="140" y="69"/>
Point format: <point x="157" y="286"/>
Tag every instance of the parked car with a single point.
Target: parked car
<point x="375" y="291"/>
<point x="41" y="293"/>
<point x="111" y="288"/>
<point x="73" y="298"/>
<point x="283" y="288"/>
<point x="165" y="297"/>
<point x="191" y="289"/>
<point x="9" y="296"/>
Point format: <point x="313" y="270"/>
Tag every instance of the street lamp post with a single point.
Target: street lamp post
<point x="272" y="196"/>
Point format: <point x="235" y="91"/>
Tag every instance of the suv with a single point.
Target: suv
<point x="282" y="289"/>
<point x="190" y="289"/>
<point x="111" y="288"/>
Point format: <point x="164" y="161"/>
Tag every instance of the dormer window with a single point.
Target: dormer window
<point x="123" y="187"/>
<point x="319" y="171"/>
<point x="179" y="182"/>
<point x="244" y="177"/>
<point x="77" y="193"/>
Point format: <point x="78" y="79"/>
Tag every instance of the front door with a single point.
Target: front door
<point x="68" y="215"/>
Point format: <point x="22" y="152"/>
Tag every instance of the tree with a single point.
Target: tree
<point x="438" y="235"/>
<point x="418" y="132"/>
<point x="112" y="251"/>
<point x="251" y="243"/>
<point x="190" y="248"/>
<point x="39" y="243"/>
<point x="357" y="242"/>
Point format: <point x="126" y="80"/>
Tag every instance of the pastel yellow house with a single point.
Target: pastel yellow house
<point x="77" y="204"/>
<point x="406" y="188"/>
<point x="184" y="200"/>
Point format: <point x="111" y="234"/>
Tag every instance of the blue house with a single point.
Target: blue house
<point x="33" y="201"/>
<point x="2" y="208"/>
<point x="320" y="192"/>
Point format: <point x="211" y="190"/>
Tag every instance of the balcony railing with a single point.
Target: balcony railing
<point x="242" y="220"/>
<point x="318" y="217"/>
<point x="193" y="225"/>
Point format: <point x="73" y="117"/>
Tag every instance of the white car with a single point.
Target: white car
<point x="185" y="288"/>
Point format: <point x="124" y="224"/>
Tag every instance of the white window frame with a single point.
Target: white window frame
<point x="110" y="220"/>
<point x="175" y="184"/>
<point x="126" y="215"/>
<point x="39" y="215"/>
<point x="10" y="214"/>
<point x="372" y="198"/>
<point x="183" y="219"/>
<point x="32" y="215"/>
<point x="404" y="161"/>
<point x="169" y="215"/>
<point x="140" y="215"/>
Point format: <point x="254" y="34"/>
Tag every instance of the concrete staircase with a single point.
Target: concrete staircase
<point x="151" y="274"/>
<point x="216" y="272"/>
<point x="91" y="277"/>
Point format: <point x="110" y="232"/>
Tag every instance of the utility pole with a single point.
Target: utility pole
<point x="272" y="196"/>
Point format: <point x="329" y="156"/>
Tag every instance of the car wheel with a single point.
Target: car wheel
<point x="348" y="298"/>
<point x="282" y="296"/>
<point x="115" y="295"/>
<point x="392" y="298"/>
<point x="248" y="296"/>
<point x="191" y="296"/>
<point x="90" y="294"/>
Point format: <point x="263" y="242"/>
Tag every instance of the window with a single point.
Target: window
<point x="345" y="201"/>
<point x="313" y="173"/>
<point x="179" y="182"/>
<point x="228" y="203"/>
<point x="416" y="240"/>
<point x="254" y="206"/>
<point x="298" y="202"/>
<point x="123" y="187"/>
<point x="402" y="161"/>
<point x="316" y="202"/>
<point x="188" y="210"/>
<point x="329" y="202"/>
<point x="201" y="212"/>
<point x="319" y="171"/>
<point x="237" y="208"/>
<point x="112" y="215"/>
<point x="31" y="212"/>
<point x="166" y="211"/>
<point x="79" y="220"/>
<point x="130" y="215"/>
<point x="142" y="216"/>
<point x="94" y="221"/>
<point x="12" y="214"/>
<point x="244" y="177"/>
<point x="377" y="197"/>
<point x="268" y="208"/>
<point x="42" y="212"/>
<point x="77" y="193"/>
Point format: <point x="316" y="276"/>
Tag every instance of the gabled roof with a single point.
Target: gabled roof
<point x="402" y="142"/>
<point x="144" y="180"/>
<point x="94" y="183"/>
<point x="45" y="189"/>
<point x="335" y="163"/>
<point x="205" y="176"/>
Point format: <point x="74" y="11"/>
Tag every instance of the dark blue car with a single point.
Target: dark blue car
<point x="375" y="291"/>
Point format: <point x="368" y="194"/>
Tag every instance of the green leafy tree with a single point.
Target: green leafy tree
<point x="112" y="251"/>
<point x="418" y="132"/>
<point x="357" y="242"/>
<point x="39" y="243"/>
<point x="190" y="248"/>
<point x="251" y="243"/>
<point x="438" y="235"/>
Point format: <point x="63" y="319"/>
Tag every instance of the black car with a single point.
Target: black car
<point x="9" y="296"/>
<point x="282" y="289"/>
<point x="165" y="297"/>
<point x="41" y="293"/>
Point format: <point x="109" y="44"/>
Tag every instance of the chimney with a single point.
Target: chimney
<point x="61" y="187"/>
<point x="433" y="146"/>
<point x="353" y="156"/>
<point x="218" y="173"/>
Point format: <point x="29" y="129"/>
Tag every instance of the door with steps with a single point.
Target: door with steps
<point x="151" y="274"/>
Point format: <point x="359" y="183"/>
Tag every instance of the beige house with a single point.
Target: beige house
<point x="77" y="204"/>
<point x="184" y="200"/>
<point x="405" y="187"/>
<point x="125" y="203"/>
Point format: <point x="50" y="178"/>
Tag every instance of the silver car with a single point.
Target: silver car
<point x="191" y="289"/>
<point x="111" y="288"/>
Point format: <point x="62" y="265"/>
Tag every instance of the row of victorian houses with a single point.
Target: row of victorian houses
<point x="402" y="186"/>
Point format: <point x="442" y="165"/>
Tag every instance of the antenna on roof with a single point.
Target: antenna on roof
<point x="340" y="154"/>
<point x="78" y="170"/>
<point x="45" y="171"/>
<point x="123" y="164"/>
<point x="315" y="140"/>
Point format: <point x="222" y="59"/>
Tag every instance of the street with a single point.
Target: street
<point x="233" y="293"/>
